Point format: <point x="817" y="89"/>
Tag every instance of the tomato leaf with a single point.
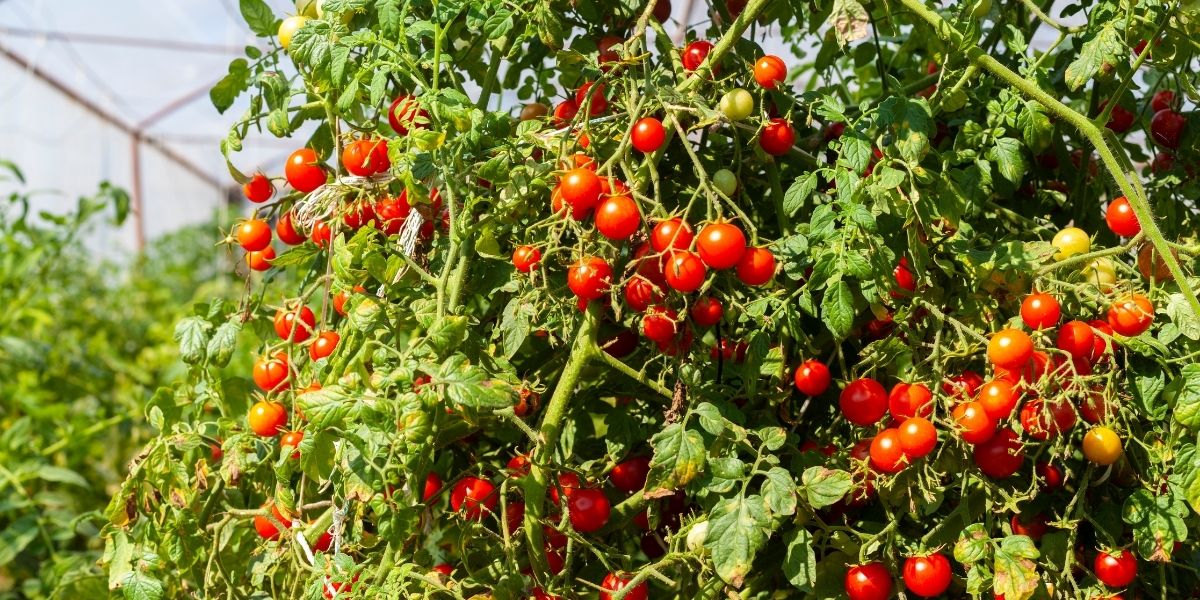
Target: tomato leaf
<point x="973" y="545"/>
<point x="737" y="528"/>
<point x="139" y="586"/>
<point x="1186" y="389"/>
<point x="1009" y="159"/>
<point x="467" y="384"/>
<point x="1015" y="572"/>
<point x="800" y="563"/>
<point x="16" y="537"/>
<point x="1157" y="523"/>
<point x="192" y="335"/>
<point x="837" y="309"/>
<point x="799" y="191"/>
<point x="848" y="20"/>
<point x="259" y="17"/>
<point x="236" y="81"/>
<point x="910" y="123"/>
<point x="779" y="490"/>
<point x="1104" y="49"/>
<point x="825" y="487"/>
<point x="679" y="457"/>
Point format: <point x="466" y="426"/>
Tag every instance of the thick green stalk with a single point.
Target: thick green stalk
<point x="583" y="349"/>
<point x="1116" y="162"/>
<point x="725" y="44"/>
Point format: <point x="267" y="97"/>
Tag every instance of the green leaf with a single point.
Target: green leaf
<point x="679" y="457"/>
<point x="1157" y="523"/>
<point x="1008" y="158"/>
<point x="1186" y="388"/>
<point x="515" y="324"/>
<point x="910" y="123"/>
<point x="825" y="487"/>
<point x="192" y="335"/>
<point x="800" y="563"/>
<point x="467" y="384"/>
<point x="448" y="333"/>
<point x="780" y="492"/>
<point x="61" y="475"/>
<point x="1036" y="128"/>
<point x="856" y="152"/>
<point x="1015" y="572"/>
<point x="837" y="309"/>
<point x="973" y="545"/>
<point x="139" y="586"/>
<point x="737" y="528"/>
<point x="231" y="85"/>
<point x="1105" y="49"/>
<point x="223" y="342"/>
<point x="16" y="537"/>
<point x="259" y="17"/>
<point x="799" y="191"/>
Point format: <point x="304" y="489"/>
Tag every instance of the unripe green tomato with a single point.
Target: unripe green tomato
<point x="288" y="27"/>
<point x="737" y="104"/>
<point x="981" y="8"/>
<point x="696" y="535"/>
<point x="726" y="181"/>
<point x="307" y="8"/>
<point x="1071" y="241"/>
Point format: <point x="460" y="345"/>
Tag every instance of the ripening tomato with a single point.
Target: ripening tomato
<point x="618" y="217"/>
<point x="533" y="111"/>
<point x="444" y="569"/>
<point x="770" y="71"/>
<point x="706" y="311"/>
<point x="1115" y="569"/>
<point x="433" y="485"/>
<point x="526" y="258"/>
<point x="1120" y="218"/>
<point x="1102" y="446"/>
<point x="285" y="228"/>
<point x="266" y="527"/>
<point x="477" y="496"/>
<point x="721" y="245"/>
<point x="887" y="455"/>
<point x="565" y="112"/>
<point x="589" y="509"/>
<point x="1166" y="128"/>
<point x="356" y="158"/>
<point x="863" y="401"/>
<point x="648" y="135"/>
<point x="777" y="137"/>
<point x="661" y="12"/>
<point x="580" y="188"/>
<point x="756" y="267"/>
<point x="1001" y="456"/>
<point x="918" y="437"/>
<point x="260" y="260"/>
<point x="910" y="400"/>
<point x="292" y="440"/>
<point x="258" y="189"/>
<point x="685" y="272"/>
<point x="1131" y="316"/>
<point x="737" y="104"/>
<point x="629" y="475"/>
<point x="695" y="53"/>
<point x="613" y="583"/>
<point x="1040" y="311"/>
<point x="1077" y="339"/>
<point x="640" y="293"/>
<point x="870" y="581"/>
<point x="288" y="28"/>
<point x="295" y="325"/>
<point x="927" y="576"/>
<point x="253" y="235"/>
<point x="271" y="373"/>
<point x="592" y="93"/>
<point x="589" y="277"/>
<point x="324" y="345"/>
<point x="812" y="377"/>
<point x="406" y="114"/>
<point x="998" y="398"/>
<point x="267" y="419"/>
<point x="303" y="171"/>
<point x="1010" y="349"/>
<point x="963" y="386"/>
<point x="659" y="324"/>
<point x="975" y="425"/>
<point x="1070" y="241"/>
<point x="321" y="234"/>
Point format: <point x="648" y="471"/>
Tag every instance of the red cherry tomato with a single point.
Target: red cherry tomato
<point x="1162" y="100"/>
<point x="706" y="311"/>
<point x="1001" y="456"/>
<point x="685" y="272"/>
<point x="267" y="419"/>
<point x="812" y="377"/>
<point x="285" y="228"/>
<point x="406" y="114"/>
<point x="324" y="345"/>
<point x="887" y="455"/>
<point x="927" y="576"/>
<point x="253" y="235"/>
<point x="918" y="437"/>
<point x="321" y="234"/>
<point x="580" y="188"/>
<point x="1131" y="316"/>
<point x="565" y="112"/>
<point x="292" y="440"/>
<point x="526" y="258"/>
<point x="1040" y="311"/>
<point x="589" y="509"/>
<point x="871" y="581"/>
<point x="640" y="293"/>
<point x="756" y="267"/>
<point x="433" y="485"/>
<point x="1120" y="119"/>
<point x="671" y="233"/>
<point x="1116" y="569"/>
<point x="1077" y="339"/>
<point x="695" y="53"/>
<point x="613" y="583"/>
<point x="910" y="400"/>
<point x="295" y="324"/>
<point x="303" y="171"/>
<point x="1034" y="527"/>
<point x="1166" y="128"/>
<point x="629" y="475"/>
<point x="618" y="217"/>
<point x="1044" y="421"/>
<point x="659" y="324"/>
<point x="998" y="398"/>
<point x="975" y="425"/>
<point x="963" y="386"/>
<point x="863" y="402"/>
<point x="589" y="278"/>
<point x="770" y="71"/>
<point x="1120" y="218"/>
<point x="258" y="189"/>
<point x="777" y="137"/>
<point x="721" y="245"/>
<point x="260" y="260"/>
<point x="271" y="373"/>
<point x="599" y="103"/>
<point x="905" y="279"/>
<point x="356" y="158"/>
<point x="475" y="496"/>
<point x="1010" y="349"/>
<point x="648" y="135"/>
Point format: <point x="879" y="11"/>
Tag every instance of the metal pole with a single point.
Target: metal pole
<point x="139" y="219"/>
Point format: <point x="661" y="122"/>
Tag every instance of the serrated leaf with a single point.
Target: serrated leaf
<point x="910" y="122"/>
<point x="223" y="342"/>
<point x="825" y="487"/>
<point x="1015" y="571"/>
<point x="1106" y="47"/>
<point x="973" y="545"/>
<point x="139" y="586"/>
<point x="737" y="529"/>
<point x="1186" y="389"/>
<point x="799" y="191"/>
<point x="800" y="563"/>
<point x="837" y="309"/>
<point x="849" y="21"/>
<point x="16" y="537"/>
<point x="1009" y="159"/>
<point x="236" y="81"/>
<point x="192" y="335"/>
<point x="467" y="384"/>
<point x="259" y="17"/>
<point x="1036" y="128"/>
<point x="780" y="492"/>
<point x="679" y="457"/>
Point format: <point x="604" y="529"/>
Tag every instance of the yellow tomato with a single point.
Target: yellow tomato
<point x="307" y="8"/>
<point x="1101" y="272"/>
<point x="1071" y="241"/>
<point x="737" y="104"/>
<point x="1102" y="446"/>
<point x="288" y="28"/>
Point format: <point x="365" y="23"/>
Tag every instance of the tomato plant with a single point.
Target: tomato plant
<point x="664" y="292"/>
